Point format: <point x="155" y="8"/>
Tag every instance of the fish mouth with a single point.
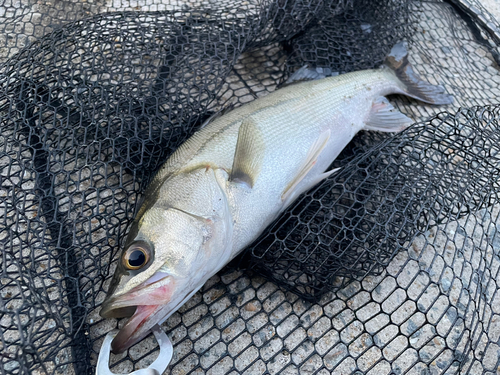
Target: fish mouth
<point x="146" y="305"/>
<point x="136" y="328"/>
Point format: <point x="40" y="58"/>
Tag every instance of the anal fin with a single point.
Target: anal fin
<point x="385" y="118"/>
<point x="306" y="167"/>
<point x="249" y="153"/>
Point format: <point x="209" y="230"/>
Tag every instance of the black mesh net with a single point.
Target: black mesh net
<point x="355" y="223"/>
<point x="388" y="267"/>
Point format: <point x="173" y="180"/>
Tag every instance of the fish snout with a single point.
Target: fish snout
<point x="145" y="305"/>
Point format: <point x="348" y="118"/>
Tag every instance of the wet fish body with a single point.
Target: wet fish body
<point x="230" y="180"/>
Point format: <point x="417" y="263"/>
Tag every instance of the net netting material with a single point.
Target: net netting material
<point x="89" y="112"/>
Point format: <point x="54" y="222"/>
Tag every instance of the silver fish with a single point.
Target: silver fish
<point x="231" y="179"/>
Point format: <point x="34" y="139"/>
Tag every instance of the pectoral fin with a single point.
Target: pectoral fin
<point x="384" y="117"/>
<point x="249" y="153"/>
<point x="294" y="193"/>
<point x="306" y="167"/>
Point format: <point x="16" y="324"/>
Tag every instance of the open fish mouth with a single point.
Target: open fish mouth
<point x="136" y="328"/>
<point x="146" y="305"/>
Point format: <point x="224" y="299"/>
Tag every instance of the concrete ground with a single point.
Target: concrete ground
<point x="492" y="6"/>
<point x="417" y="317"/>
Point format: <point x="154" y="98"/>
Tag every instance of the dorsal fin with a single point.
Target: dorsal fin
<point x="307" y="73"/>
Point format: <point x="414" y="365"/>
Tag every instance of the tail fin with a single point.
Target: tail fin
<point x="397" y="61"/>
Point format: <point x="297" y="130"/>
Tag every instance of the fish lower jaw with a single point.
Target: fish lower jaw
<point x="146" y="316"/>
<point x="134" y="330"/>
<point x="150" y="306"/>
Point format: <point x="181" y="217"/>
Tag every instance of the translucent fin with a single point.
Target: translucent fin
<point x="249" y="153"/>
<point x="385" y="118"/>
<point x="294" y="193"/>
<point x="397" y="61"/>
<point x="309" y="74"/>
<point x="311" y="158"/>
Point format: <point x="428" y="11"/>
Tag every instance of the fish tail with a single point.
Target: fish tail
<point x="413" y="85"/>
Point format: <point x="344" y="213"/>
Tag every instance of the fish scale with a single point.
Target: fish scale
<point x="216" y="143"/>
<point x="231" y="179"/>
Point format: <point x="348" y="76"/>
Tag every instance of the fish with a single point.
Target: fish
<point x="233" y="177"/>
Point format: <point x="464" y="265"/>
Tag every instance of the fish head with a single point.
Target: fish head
<point x="179" y="240"/>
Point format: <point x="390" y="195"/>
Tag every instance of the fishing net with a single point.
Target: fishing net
<point x="388" y="267"/>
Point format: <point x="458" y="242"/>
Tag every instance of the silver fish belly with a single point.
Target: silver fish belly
<point x="230" y="180"/>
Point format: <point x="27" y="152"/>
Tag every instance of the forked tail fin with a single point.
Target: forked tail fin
<point x="415" y="87"/>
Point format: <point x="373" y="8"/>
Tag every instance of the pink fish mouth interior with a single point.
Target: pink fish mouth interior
<point x="145" y="306"/>
<point x="131" y="332"/>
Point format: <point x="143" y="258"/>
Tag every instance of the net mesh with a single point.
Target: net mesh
<point x="388" y="267"/>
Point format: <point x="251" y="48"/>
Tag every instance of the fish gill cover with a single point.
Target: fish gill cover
<point x="389" y="266"/>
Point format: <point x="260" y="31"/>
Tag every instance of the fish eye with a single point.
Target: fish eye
<point x="136" y="256"/>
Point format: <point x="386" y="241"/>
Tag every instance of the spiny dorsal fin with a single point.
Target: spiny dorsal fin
<point x="249" y="153"/>
<point x="416" y="87"/>
<point x="307" y="73"/>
